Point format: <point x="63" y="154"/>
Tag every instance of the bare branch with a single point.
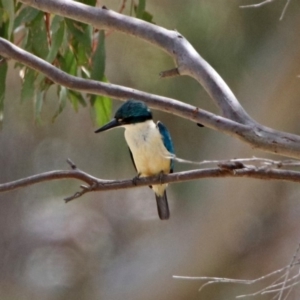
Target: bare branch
<point x="189" y="62"/>
<point x="184" y="110"/>
<point x="236" y="122"/>
<point x="284" y="10"/>
<point x="257" y="4"/>
<point x="97" y="184"/>
<point x="256" y="135"/>
<point x="267" y="2"/>
<point x="283" y="283"/>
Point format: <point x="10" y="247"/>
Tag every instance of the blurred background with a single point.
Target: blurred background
<point x="112" y="245"/>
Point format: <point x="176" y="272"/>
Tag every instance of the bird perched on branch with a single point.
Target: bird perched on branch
<point x="150" y="146"/>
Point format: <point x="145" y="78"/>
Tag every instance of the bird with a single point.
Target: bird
<point x="150" y="146"/>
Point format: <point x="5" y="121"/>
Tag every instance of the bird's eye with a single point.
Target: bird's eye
<point x="120" y="120"/>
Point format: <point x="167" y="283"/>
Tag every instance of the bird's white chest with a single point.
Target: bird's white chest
<point x="148" y="151"/>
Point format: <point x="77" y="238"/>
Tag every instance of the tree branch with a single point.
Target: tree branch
<point x="283" y="283"/>
<point x="236" y="122"/>
<point x="231" y="168"/>
<point x="254" y="134"/>
<point x="256" y="5"/>
<point x="189" y="62"/>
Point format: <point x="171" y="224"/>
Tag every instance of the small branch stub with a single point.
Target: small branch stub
<point x="169" y="73"/>
<point x="72" y="164"/>
<point x="2" y="60"/>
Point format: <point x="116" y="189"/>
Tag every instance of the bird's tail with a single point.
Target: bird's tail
<point x="162" y="206"/>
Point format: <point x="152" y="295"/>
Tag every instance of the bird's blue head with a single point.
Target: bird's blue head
<point x="131" y="112"/>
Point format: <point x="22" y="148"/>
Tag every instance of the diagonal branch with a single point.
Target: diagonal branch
<point x="256" y="135"/>
<point x="190" y="112"/>
<point x="235" y="121"/>
<point x="188" y="60"/>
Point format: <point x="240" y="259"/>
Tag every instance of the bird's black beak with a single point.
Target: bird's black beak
<point x="113" y="123"/>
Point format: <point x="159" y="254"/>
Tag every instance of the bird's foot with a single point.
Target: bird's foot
<point x="136" y="178"/>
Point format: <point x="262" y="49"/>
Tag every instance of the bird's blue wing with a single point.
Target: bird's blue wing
<point x="167" y="141"/>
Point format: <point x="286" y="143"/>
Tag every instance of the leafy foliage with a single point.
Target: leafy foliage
<point x="74" y="47"/>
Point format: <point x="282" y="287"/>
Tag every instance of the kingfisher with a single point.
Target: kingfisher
<point x="150" y="146"/>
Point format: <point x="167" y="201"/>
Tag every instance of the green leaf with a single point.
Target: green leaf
<point x="4" y="24"/>
<point x="79" y="31"/>
<point x="37" y="38"/>
<point x="38" y="101"/>
<point x="27" y="92"/>
<point x="140" y="9"/>
<point x="98" y="59"/>
<point x="101" y="105"/>
<point x="76" y="98"/>
<point x="82" y="55"/>
<point x="88" y="2"/>
<point x="26" y="15"/>
<point x="9" y="7"/>
<point x="81" y="40"/>
<point x="57" y="35"/>
<point x="68" y="62"/>
<point x="141" y="13"/>
<point x="147" y="17"/>
<point x="101" y="109"/>
<point x="3" y="72"/>
<point x="63" y="92"/>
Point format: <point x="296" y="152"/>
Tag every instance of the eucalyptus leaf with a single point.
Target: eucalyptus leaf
<point x="39" y="101"/>
<point x="4" y="24"/>
<point x="68" y="62"/>
<point x="88" y="2"/>
<point x="26" y="15"/>
<point x="140" y="9"/>
<point x="9" y="7"/>
<point x="101" y="109"/>
<point x="80" y="37"/>
<point x="62" y="96"/>
<point x="101" y="105"/>
<point x="76" y="98"/>
<point x="37" y="38"/>
<point x="98" y="59"/>
<point x="147" y="17"/>
<point x="57" y="35"/>
<point x="3" y="73"/>
<point x="27" y="91"/>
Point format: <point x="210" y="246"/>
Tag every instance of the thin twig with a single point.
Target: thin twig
<point x="102" y="185"/>
<point x="263" y="289"/>
<point x="279" y="286"/>
<point x="284" y="10"/>
<point x="122" y="7"/>
<point x="281" y="290"/>
<point x="288" y="271"/>
<point x="257" y="4"/>
<point x="72" y="164"/>
<point x="120" y="11"/>
<point x="267" y="2"/>
<point x="169" y="73"/>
